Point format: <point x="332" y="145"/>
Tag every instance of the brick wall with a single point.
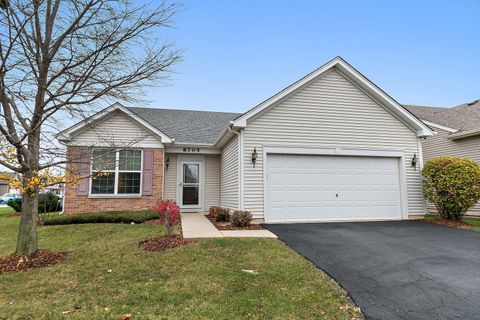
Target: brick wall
<point x="77" y="204"/>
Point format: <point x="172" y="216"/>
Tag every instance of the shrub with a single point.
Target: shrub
<point x="47" y="202"/>
<point x="213" y="211"/>
<point x="223" y="215"/>
<point x="241" y="218"/>
<point x="101" y="217"/>
<point x="169" y="214"/>
<point x="452" y="184"/>
<point x="16" y="204"/>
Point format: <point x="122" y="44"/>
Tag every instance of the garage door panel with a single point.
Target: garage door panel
<point x="329" y="188"/>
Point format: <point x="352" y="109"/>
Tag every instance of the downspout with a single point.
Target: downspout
<point x="420" y="161"/>
<point x="240" y="168"/>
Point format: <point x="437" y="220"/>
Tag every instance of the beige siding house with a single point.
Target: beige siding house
<point x="457" y="134"/>
<point x="330" y="147"/>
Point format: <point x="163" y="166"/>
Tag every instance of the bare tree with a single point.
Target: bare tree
<point x="64" y="58"/>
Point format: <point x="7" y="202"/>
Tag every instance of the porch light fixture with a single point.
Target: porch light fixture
<point x="167" y="163"/>
<point x="254" y="156"/>
<point x="414" y="161"/>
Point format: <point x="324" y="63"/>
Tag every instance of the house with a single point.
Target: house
<point x="330" y="147"/>
<point x="457" y="133"/>
<point x="5" y="178"/>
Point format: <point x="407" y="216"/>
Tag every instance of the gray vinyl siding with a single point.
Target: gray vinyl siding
<point x="212" y="181"/>
<point x="116" y="130"/>
<point x="439" y="145"/>
<point x="229" y="175"/>
<point x="210" y="185"/>
<point x="171" y="177"/>
<point x="329" y="112"/>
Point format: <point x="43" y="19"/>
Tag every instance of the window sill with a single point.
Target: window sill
<point x="115" y="196"/>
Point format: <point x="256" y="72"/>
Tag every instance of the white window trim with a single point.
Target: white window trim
<point x="116" y="172"/>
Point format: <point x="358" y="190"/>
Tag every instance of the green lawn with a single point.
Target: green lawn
<point x="199" y="281"/>
<point x="5" y="211"/>
<point x="474" y="221"/>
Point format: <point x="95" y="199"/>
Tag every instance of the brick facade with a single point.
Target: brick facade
<point x="75" y="203"/>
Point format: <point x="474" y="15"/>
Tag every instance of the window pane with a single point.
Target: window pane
<point x="190" y="173"/>
<point x="130" y="160"/>
<point x="103" y="160"/>
<point x="104" y="184"/>
<point x="129" y="182"/>
<point x="190" y="195"/>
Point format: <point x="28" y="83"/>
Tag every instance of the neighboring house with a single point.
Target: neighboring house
<point x="5" y="182"/>
<point x="457" y="133"/>
<point x="330" y="147"/>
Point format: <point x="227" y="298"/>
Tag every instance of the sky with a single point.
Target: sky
<point x="238" y="53"/>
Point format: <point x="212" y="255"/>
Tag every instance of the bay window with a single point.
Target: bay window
<point x="116" y="172"/>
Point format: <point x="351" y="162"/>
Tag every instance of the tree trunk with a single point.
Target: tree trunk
<point x="27" y="235"/>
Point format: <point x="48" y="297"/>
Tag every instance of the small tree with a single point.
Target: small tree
<point x="169" y="214"/>
<point x="66" y="59"/>
<point x="453" y="185"/>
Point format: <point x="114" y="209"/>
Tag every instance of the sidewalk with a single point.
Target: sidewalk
<point x="196" y="225"/>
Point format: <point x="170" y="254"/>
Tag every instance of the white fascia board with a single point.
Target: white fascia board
<point x="241" y="121"/>
<point x="341" y="65"/>
<point x="439" y="126"/>
<point x="66" y="135"/>
<point x="464" y="134"/>
<point x="421" y="129"/>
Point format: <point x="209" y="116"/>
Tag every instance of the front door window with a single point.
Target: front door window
<point x="191" y="184"/>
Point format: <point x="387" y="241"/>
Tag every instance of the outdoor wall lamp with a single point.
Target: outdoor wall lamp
<point x="254" y="156"/>
<point x="167" y="163"/>
<point x="414" y="161"/>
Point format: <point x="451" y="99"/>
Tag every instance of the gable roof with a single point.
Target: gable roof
<point x="187" y="126"/>
<point x="353" y="75"/>
<point x="211" y="128"/>
<point x="464" y="117"/>
<point x="66" y="135"/>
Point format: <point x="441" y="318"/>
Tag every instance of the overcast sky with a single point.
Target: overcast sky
<point x="237" y="53"/>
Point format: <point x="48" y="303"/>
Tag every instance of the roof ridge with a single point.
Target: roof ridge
<point x="189" y="110"/>
<point x="419" y="106"/>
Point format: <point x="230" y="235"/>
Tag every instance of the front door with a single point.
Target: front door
<point x="190" y="193"/>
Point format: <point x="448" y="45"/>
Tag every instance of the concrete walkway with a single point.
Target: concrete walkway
<point x="196" y="225"/>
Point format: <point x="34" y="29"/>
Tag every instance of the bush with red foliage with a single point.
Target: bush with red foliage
<point x="168" y="213"/>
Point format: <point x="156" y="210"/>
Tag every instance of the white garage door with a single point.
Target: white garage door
<point x="307" y="188"/>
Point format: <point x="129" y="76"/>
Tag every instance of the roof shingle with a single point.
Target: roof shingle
<point x="187" y="126"/>
<point x="464" y="117"/>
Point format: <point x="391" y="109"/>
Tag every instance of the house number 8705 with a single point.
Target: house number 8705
<point x="188" y="149"/>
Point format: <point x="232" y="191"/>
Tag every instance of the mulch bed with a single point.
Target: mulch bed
<point x="449" y="223"/>
<point x="159" y="221"/>
<point x="40" y="258"/>
<point x="156" y="221"/>
<point x="162" y="243"/>
<point x="228" y="226"/>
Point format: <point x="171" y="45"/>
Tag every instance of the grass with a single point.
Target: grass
<point x="4" y="211"/>
<point x="474" y="221"/>
<point x="199" y="281"/>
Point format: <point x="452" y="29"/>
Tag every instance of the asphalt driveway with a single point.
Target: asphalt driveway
<point x="396" y="270"/>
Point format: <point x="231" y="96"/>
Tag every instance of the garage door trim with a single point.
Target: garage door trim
<point x="400" y="155"/>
